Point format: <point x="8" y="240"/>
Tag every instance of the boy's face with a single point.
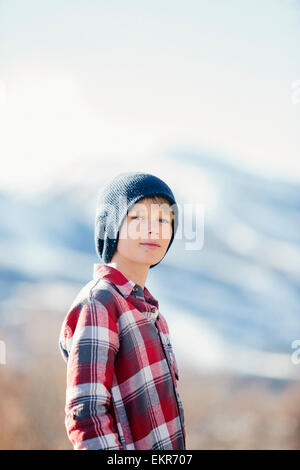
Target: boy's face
<point x="146" y="221"/>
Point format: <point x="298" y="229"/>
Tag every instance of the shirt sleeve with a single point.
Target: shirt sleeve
<point x="89" y="342"/>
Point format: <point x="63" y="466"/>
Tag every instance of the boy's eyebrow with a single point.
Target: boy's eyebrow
<point x="141" y="211"/>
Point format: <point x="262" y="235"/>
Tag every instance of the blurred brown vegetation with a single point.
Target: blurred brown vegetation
<point x="228" y="412"/>
<point x="221" y="411"/>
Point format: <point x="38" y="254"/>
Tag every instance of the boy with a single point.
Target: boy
<point x="121" y="370"/>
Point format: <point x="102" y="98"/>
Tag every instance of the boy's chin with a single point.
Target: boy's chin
<point x="148" y="259"/>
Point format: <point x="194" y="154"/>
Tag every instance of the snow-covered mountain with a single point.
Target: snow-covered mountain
<point x="234" y="303"/>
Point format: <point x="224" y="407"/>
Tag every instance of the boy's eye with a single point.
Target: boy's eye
<point x="137" y="216"/>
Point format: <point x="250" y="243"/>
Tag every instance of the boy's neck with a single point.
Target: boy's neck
<point x="135" y="272"/>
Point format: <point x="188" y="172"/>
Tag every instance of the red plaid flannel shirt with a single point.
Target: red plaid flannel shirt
<point x="121" y="370"/>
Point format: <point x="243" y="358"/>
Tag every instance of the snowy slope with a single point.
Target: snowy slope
<point x="239" y="294"/>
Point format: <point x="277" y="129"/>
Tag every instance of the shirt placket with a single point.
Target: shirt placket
<point x="169" y="362"/>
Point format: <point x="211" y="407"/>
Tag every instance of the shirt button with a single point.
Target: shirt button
<point x="135" y="289"/>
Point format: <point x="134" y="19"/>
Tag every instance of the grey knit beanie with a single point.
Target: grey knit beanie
<point x="116" y="199"/>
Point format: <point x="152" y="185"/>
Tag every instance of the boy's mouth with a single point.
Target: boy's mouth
<point x="151" y="244"/>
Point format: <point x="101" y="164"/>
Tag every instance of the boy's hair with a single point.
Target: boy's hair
<point x="158" y="199"/>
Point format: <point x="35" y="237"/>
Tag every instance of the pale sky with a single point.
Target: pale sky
<point x="131" y="80"/>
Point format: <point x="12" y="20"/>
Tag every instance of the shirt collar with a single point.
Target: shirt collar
<point x="125" y="285"/>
